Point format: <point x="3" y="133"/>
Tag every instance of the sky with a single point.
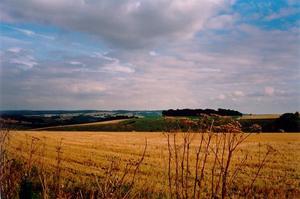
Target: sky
<point x="150" y="54"/>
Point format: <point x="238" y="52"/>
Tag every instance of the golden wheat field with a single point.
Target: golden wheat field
<point x="85" y="154"/>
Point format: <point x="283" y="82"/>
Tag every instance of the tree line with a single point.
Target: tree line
<point x="198" y="112"/>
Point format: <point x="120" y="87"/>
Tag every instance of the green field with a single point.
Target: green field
<point x="148" y="124"/>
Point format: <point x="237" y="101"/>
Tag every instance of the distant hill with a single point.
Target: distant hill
<point x="139" y="120"/>
<point x="28" y="119"/>
<point x="80" y="112"/>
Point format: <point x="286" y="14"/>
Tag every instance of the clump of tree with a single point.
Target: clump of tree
<point x="197" y="112"/>
<point x="288" y="122"/>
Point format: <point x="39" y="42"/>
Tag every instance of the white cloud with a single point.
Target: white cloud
<point x="210" y="70"/>
<point x="118" y="68"/>
<point x="113" y="64"/>
<point x="25" y="62"/>
<point x="221" y="97"/>
<point x="238" y="94"/>
<point x="133" y="6"/>
<point x="75" y="63"/>
<point x="269" y="90"/>
<point x="31" y="33"/>
<point x="284" y="12"/>
<point x="14" y="50"/>
<point x="153" y="53"/>
<point x="221" y="22"/>
<point x="104" y="56"/>
<point x="85" y="87"/>
<point x="25" y="31"/>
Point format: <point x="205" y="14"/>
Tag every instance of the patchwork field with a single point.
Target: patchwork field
<point x="82" y="125"/>
<point x="84" y="155"/>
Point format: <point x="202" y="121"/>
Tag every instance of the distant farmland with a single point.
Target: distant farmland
<point x="140" y="124"/>
<point x="158" y="123"/>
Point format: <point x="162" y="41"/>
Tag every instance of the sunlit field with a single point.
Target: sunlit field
<point x="85" y="155"/>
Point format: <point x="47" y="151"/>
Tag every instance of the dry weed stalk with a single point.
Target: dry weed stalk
<point x="119" y="182"/>
<point x="42" y="174"/>
<point x="4" y="137"/>
<point x="58" y="169"/>
<point x="33" y="149"/>
<point x="214" y="171"/>
<point x="5" y="182"/>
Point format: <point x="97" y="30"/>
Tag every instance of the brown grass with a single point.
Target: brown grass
<point x="80" y="156"/>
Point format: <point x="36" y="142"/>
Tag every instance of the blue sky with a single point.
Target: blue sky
<point x="151" y="54"/>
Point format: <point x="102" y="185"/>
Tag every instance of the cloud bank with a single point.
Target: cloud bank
<point x="158" y="54"/>
<point x="127" y="24"/>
